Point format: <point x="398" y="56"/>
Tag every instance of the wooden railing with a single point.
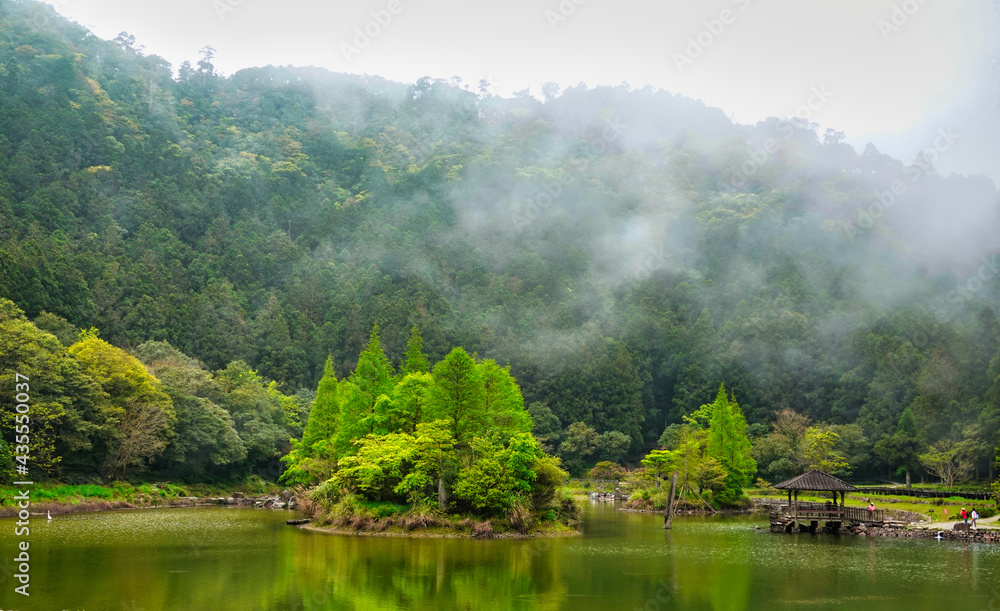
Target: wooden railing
<point x="822" y="511"/>
<point x="860" y="514"/>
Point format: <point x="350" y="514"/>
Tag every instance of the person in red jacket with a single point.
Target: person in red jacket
<point x="965" y="516"/>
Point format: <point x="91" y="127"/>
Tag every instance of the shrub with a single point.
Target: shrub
<point x="254" y="485"/>
<point x="420" y="516"/>
<point x="608" y="470"/>
<point x="482" y="529"/>
<point x="764" y="486"/>
<point x="521" y="517"/>
<point x="567" y="510"/>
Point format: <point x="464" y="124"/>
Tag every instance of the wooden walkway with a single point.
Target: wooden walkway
<point x="809" y="515"/>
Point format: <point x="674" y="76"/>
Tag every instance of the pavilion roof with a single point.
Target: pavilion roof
<point x="815" y="480"/>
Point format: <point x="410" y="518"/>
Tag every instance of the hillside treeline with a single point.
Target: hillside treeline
<point x="623" y="251"/>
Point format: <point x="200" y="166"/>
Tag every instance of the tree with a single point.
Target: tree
<point x="457" y="396"/>
<point x="502" y="401"/>
<point x="782" y="451"/>
<point x="500" y="475"/>
<point x="434" y="444"/>
<point x="820" y="453"/>
<point x="900" y="450"/>
<point x="378" y="465"/>
<point x="414" y="360"/>
<point x="698" y="473"/>
<point x="728" y="443"/>
<point x="611" y="446"/>
<point x="143" y="411"/>
<point x="370" y="380"/>
<point x="265" y="418"/>
<point x="204" y="437"/>
<point x="324" y="417"/>
<point x="546" y="426"/>
<point x="314" y="458"/>
<point x="608" y="470"/>
<point x="578" y="446"/>
<point x="68" y="412"/>
<point x="408" y="406"/>
<point x="946" y="460"/>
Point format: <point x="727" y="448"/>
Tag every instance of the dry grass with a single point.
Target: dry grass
<point x="482" y="529"/>
<point x="521" y="517"/>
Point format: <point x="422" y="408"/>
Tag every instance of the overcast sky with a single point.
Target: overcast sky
<point x="884" y="65"/>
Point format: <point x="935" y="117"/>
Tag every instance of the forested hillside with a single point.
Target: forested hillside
<point x="623" y="251"/>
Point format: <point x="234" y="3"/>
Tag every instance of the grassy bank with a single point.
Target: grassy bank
<point x="353" y="515"/>
<point x="58" y="498"/>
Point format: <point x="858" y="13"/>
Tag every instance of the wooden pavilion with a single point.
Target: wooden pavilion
<point x="799" y="513"/>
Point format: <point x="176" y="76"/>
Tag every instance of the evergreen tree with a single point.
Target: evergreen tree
<point x="414" y="361"/>
<point x="457" y="396"/>
<point x="371" y="380"/>
<point x="502" y="401"/>
<point x="728" y="443"/>
<point x="324" y="417"/>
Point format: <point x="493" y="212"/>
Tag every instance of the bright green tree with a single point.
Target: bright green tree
<point x="409" y="402"/>
<point x="314" y="458"/>
<point x="502" y="400"/>
<point x="414" y="360"/>
<point x="457" y="396"/>
<point x="728" y="443"/>
<point x="370" y="380"/>
<point x="144" y="412"/>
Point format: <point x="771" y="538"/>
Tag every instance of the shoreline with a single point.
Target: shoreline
<point x="99" y="505"/>
<point x="432" y="534"/>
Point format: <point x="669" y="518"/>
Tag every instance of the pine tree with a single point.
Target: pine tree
<point x="414" y="361"/>
<point x="728" y="443"/>
<point x="457" y="396"/>
<point x="370" y="380"/>
<point x="324" y="418"/>
<point x="502" y="400"/>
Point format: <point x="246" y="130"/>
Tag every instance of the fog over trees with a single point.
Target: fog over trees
<point x="192" y="252"/>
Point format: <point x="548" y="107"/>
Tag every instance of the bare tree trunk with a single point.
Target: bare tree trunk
<point x="907" y="477"/>
<point x="442" y="495"/>
<point x="668" y="517"/>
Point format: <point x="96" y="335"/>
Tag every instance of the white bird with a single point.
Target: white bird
<point x="939" y="537"/>
<point x="49" y="514"/>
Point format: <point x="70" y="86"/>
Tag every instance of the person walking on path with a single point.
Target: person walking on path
<point x="965" y="516"/>
<point x="975" y="516"/>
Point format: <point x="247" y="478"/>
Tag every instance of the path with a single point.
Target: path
<point x="982" y="523"/>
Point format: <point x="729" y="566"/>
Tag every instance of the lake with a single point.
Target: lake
<point x="228" y="558"/>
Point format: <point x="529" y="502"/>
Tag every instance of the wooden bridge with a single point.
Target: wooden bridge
<point x="804" y="514"/>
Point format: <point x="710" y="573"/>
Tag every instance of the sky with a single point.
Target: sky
<point x="883" y="70"/>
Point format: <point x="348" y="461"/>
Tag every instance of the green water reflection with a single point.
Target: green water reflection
<point x="186" y="559"/>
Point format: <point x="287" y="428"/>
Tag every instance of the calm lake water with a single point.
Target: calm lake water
<point x="243" y="559"/>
